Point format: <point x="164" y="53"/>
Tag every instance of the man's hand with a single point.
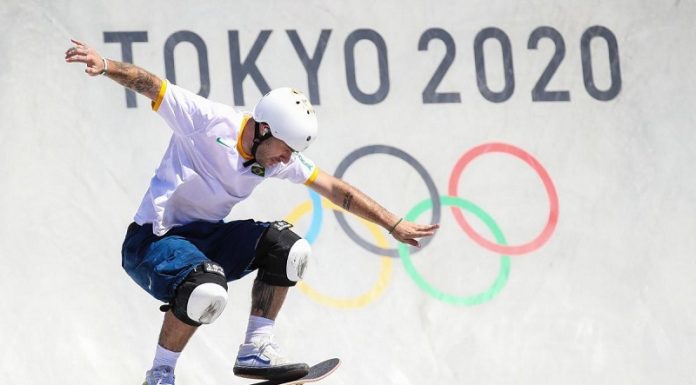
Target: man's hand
<point x="125" y="74"/>
<point x="356" y="202"/>
<point x="81" y="53"/>
<point x="407" y="232"/>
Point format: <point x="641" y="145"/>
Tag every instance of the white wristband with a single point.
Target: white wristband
<point x="106" y="66"/>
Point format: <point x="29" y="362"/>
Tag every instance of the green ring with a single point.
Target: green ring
<point x="476" y="299"/>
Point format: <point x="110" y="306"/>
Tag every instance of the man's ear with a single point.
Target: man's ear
<point x="265" y="128"/>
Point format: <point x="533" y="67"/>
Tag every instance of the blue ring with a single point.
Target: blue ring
<point x="317" y="216"/>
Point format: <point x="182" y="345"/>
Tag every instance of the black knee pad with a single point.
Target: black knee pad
<point x="281" y="255"/>
<point x="202" y="297"/>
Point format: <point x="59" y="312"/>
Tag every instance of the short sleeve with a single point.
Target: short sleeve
<point x="300" y="169"/>
<point x="185" y="112"/>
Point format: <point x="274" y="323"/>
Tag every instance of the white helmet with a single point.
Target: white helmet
<point x="290" y="115"/>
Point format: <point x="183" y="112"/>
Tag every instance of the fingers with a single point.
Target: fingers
<point x="76" y="57"/>
<point x="408" y="232"/>
<point x="79" y="46"/>
<point x="82" y="50"/>
<point x="81" y="53"/>
<point x="92" y="71"/>
<point x="432" y="227"/>
<point x="412" y="242"/>
<point x="419" y="226"/>
<point x="78" y="53"/>
<point x="422" y="230"/>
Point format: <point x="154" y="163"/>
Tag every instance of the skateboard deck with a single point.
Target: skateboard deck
<point x="316" y="373"/>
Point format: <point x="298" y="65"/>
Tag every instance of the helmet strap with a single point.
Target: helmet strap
<point x="258" y="139"/>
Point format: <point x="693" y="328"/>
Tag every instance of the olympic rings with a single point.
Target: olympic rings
<point x="434" y="203"/>
<point x="385" y="272"/>
<point x="477" y="299"/>
<point x="548" y="185"/>
<point x="387" y="150"/>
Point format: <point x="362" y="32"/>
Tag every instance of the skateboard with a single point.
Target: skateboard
<point x="316" y="373"/>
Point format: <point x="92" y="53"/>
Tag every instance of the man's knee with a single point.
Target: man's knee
<point x="281" y="255"/>
<point x="202" y="297"/>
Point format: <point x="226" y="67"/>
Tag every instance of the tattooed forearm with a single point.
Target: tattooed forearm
<point x="347" y="200"/>
<point x="135" y="78"/>
<point x="356" y="202"/>
<point x="142" y="82"/>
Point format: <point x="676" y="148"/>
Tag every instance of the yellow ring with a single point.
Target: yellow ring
<point x="384" y="273"/>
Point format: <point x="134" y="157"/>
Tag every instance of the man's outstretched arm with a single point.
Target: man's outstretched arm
<point x="125" y="74"/>
<point x="358" y="203"/>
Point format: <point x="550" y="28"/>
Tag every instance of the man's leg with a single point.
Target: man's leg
<point x="199" y="299"/>
<point x="173" y="337"/>
<point x="259" y="356"/>
<point x="174" y="265"/>
<point x="266" y="300"/>
<point x="175" y="334"/>
<point x="281" y="257"/>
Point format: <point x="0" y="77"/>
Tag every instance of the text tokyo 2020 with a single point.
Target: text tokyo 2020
<point x="311" y="52"/>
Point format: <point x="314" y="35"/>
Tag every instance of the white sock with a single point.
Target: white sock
<point x="257" y="327"/>
<point x="165" y="357"/>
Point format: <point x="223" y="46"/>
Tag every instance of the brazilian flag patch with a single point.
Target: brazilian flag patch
<point x="258" y="170"/>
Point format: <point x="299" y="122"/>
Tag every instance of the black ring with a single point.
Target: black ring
<point x="388" y="150"/>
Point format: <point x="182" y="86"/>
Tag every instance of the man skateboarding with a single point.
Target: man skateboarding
<point x="179" y="249"/>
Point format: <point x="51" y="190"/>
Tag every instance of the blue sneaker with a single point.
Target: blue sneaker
<point x="161" y="375"/>
<point x="261" y="359"/>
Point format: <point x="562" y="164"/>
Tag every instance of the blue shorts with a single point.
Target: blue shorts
<point x="160" y="264"/>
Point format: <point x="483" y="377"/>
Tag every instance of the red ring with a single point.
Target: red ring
<point x="538" y="168"/>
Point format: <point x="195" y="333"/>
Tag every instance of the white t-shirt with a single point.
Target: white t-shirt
<point x="202" y="175"/>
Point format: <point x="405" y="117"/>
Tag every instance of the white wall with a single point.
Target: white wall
<point x="607" y="299"/>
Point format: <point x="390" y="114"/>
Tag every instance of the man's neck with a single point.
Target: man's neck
<point x="248" y="135"/>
